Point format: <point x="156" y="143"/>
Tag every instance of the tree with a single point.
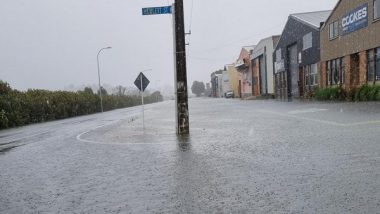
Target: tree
<point x="88" y="90"/>
<point x="104" y="91"/>
<point x="119" y="90"/>
<point x="198" y="88"/>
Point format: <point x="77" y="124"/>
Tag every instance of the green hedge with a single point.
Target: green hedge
<point x="363" y="93"/>
<point x="337" y="93"/>
<point x="34" y="106"/>
<point x="367" y="93"/>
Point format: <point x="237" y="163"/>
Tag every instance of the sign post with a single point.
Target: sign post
<point x="141" y="83"/>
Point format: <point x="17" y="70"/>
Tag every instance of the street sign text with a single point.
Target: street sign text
<point x="156" y="10"/>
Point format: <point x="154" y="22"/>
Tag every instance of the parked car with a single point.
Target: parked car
<point x="229" y="94"/>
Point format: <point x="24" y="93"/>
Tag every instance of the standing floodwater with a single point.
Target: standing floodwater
<point x="241" y="157"/>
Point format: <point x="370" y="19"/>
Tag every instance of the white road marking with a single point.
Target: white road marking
<point x="79" y="137"/>
<point x="304" y="111"/>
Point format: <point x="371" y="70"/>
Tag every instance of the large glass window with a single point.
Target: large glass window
<point x="376" y="9"/>
<point x="377" y="65"/>
<point x="314" y="74"/>
<point x="371" y="66"/>
<point x="333" y="30"/>
<point x="336" y="72"/>
<point x="311" y="75"/>
<point x="328" y="73"/>
<point x="343" y="71"/>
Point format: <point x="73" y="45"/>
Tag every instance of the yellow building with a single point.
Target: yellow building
<point x="233" y="79"/>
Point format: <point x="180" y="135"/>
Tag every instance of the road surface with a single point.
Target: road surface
<point x="241" y="157"/>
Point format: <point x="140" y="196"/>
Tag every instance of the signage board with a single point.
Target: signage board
<point x="355" y="19"/>
<point x="141" y="85"/>
<point x="156" y="10"/>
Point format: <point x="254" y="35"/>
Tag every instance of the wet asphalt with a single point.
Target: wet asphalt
<point x="241" y="157"/>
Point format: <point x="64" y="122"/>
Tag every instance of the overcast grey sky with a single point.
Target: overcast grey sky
<point x="50" y="44"/>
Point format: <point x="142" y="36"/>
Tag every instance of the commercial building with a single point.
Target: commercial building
<point x="297" y="55"/>
<point x="350" y="45"/>
<point x="262" y="66"/>
<point x="244" y="67"/>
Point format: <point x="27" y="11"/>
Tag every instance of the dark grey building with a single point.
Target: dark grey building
<point x="297" y="55"/>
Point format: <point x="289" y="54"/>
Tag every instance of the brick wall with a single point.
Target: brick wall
<point x="347" y="63"/>
<point x="323" y="75"/>
<point x="362" y="68"/>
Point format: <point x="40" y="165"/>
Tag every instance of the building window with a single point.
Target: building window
<point x="371" y="66"/>
<point x="376" y="9"/>
<point x="377" y="65"/>
<point x="343" y="71"/>
<point x="328" y="73"/>
<point x="307" y="41"/>
<point x="334" y="30"/>
<point x="336" y="72"/>
<point x="314" y="74"/>
<point x="311" y="75"/>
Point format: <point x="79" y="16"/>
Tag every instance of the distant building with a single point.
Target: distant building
<point x="208" y="90"/>
<point x="262" y="66"/>
<point x="226" y="84"/>
<point x="217" y="84"/>
<point x="350" y="47"/>
<point x="244" y="67"/>
<point x="297" y="55"/>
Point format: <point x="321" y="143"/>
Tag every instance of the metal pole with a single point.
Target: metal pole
<point x="142" y="99"/>
<point x="180" y="73"/>
<point x="100" y="88"/>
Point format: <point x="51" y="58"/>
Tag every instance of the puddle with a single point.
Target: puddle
<point x="7" y="149"/>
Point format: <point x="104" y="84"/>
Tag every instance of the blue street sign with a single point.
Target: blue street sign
<point x="156" y="10"/>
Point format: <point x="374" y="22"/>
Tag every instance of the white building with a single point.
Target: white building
<point x="262" y="57"/>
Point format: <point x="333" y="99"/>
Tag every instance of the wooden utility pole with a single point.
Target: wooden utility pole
<point x="180" y="84"/>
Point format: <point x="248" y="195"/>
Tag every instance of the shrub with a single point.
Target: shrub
<point x="337" y="93"/>
<point x="374" y="92"/>
<point x="367" y="93"/>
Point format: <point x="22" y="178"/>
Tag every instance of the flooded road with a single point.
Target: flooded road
<point x="241" y="157"/>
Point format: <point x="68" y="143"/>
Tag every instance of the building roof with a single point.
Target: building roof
<point x="314" y="19"/>
<point x="249" y="48"/>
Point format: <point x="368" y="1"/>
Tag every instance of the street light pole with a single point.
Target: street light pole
<point x="100" y="88"/>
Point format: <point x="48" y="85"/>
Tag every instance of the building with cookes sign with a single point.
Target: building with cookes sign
<point x="297" y="55"/>
<point x="350" y="45"/>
